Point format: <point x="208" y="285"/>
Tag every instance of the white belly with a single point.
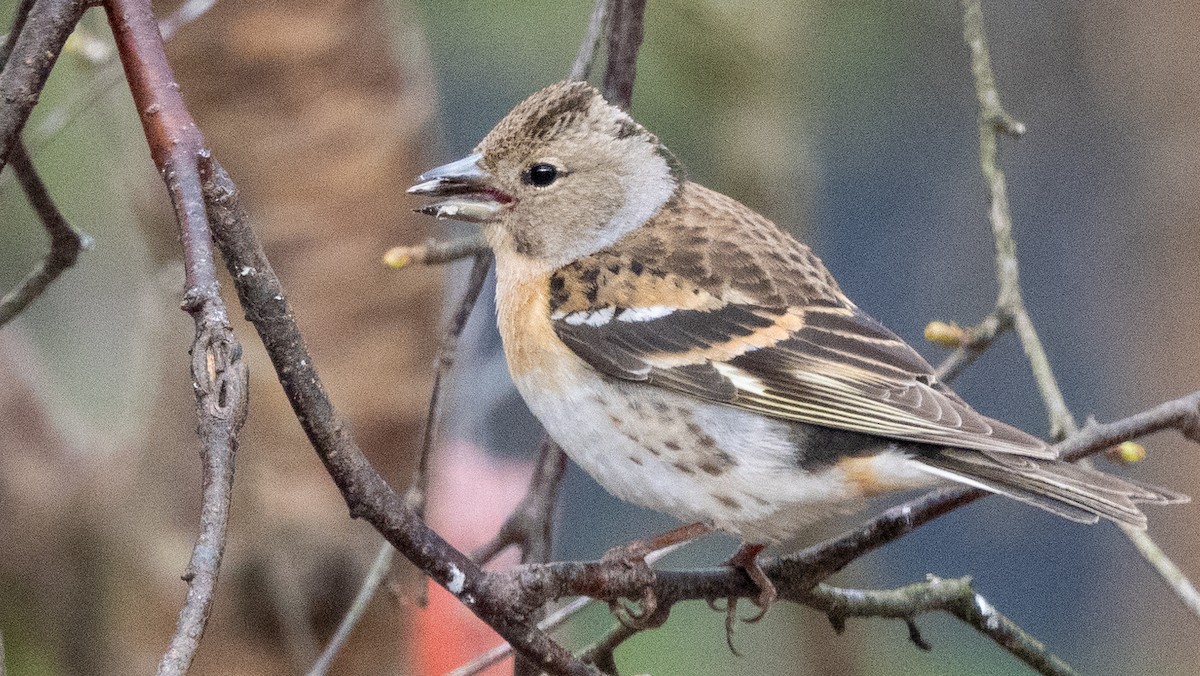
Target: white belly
<point x="695" y="461"/>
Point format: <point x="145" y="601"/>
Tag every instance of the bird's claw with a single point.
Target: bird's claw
<point x="642" y="615"/>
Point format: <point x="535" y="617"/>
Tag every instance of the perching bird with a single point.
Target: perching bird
<point x="695" y="359"/>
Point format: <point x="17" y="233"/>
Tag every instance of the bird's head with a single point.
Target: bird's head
<point x="563" y="175"/>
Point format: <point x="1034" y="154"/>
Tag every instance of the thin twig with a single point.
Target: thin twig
<point x="371" y="583"/>
<point x="220" y="376"/>
<point x="586" y="55"/>
<point x="367" y="494"/>
<point x="553" y="621"/>
<point x="601" y="652"/>
<point x="978" y="339"/>
<point x="418" y="492"/>
<point x="436" y="252"/>
<point x="106" y="78"/>
<point x="955" y="597"/>
<point x="65" y="241"/>
<point x="34" y="50"/>
<point x="529" y="525"/>
<point x="624" y="39"/>
<point x="1010" y="304"/>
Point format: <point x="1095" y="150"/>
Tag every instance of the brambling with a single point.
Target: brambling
<point x="696" y="359"/>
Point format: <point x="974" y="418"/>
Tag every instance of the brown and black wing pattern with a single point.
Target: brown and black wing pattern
<point x="832" y="366"/>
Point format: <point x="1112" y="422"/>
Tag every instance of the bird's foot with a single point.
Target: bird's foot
<point x="746" y="558"/>
<point x="633" y="554"/>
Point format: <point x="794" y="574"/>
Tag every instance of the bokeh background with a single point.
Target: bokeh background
<point x="853" y="124"/>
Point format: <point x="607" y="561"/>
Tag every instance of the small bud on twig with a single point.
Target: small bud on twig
<point x="1126" y="453"/>
<point x="947" y="334"/>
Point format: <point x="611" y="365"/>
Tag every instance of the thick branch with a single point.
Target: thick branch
<point x="65" y="241"/>
<point x="35" y="49"/>
<point x="366" y="493"/>
<point x="220" y="377"/>
<point x="68" y="110"/>
<point x="624" y="40"/>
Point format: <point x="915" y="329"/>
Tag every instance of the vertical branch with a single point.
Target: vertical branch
<point x="65" y="241"/>
<point x="591" y="40"/>
<point x="624" y="39"/>
<point x="419" y="490"/>
<point x="176" y="144"/>
<point x="1010" y="305"/>
<point x="35" y="48"/>
<point x="220" y="376"/>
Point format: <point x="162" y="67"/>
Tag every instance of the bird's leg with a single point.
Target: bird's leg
<point x="636" y="550"/>
<point x="633" y="554"/>
<point x="746" y="558"/>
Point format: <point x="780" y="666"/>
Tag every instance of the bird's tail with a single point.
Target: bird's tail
<point x="1077" y="493"/>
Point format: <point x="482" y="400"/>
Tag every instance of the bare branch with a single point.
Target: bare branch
<point x="624" y="40"/>
<point x="65" y="241"/>
<point x="586" y="55"/>
<point x="601" y="652"/>
<point x="796" y="573"/>
<point x="105" y="79"/>
<point x="951" y="596"/>
<point x="367" y="494"/>
<point x="529" y="526"/>
<point x="416" y="495"/>
<point x="20" y="16"/>
<point x="553" y="621"/>
<point x="375" y="576"/>
<point x="34" y="50"/>
<point x="435" y="252"/>
<point x="219" y="375"/>
<point x="978" y="339"/>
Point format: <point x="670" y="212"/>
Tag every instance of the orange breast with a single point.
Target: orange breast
<point x="533" y="350"/>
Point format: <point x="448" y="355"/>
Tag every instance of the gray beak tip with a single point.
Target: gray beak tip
<point x="424" y="186"/>
<point x="465" y="186"/>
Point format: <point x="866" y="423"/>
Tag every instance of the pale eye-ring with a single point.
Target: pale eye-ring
<point x="541" y="174"/>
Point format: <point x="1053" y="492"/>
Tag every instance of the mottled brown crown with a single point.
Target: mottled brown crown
<point x="564" y="108"/>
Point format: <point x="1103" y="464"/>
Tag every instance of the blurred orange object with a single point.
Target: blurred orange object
<point x="471" y="494"/>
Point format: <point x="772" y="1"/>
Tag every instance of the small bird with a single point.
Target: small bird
<point x="696" y="359"/>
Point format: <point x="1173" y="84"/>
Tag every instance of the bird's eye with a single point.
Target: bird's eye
<point x="541" y="174"/>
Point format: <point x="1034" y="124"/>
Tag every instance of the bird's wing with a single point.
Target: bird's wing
<point x="711" y="299"/>
<point x="826" y="365"/>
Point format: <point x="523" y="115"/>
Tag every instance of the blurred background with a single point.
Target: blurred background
<point x="852" y="124"/>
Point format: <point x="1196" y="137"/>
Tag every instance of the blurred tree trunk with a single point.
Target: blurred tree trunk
<point x="316" y="109"/>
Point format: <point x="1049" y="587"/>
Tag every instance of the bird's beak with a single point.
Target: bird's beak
<point x="472" y="197"/>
